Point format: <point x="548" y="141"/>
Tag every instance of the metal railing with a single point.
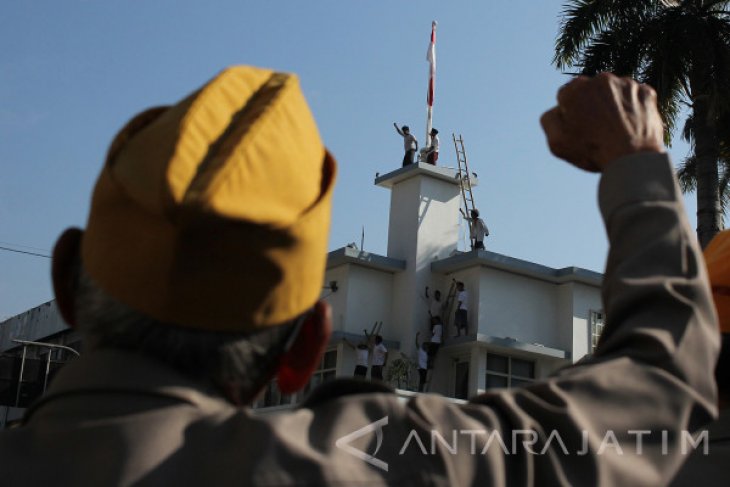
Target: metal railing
<point x="51" y="346"/>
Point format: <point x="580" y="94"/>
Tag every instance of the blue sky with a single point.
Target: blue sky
<point x="73" y="72"/>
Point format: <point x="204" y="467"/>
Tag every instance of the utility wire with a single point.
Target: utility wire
<point x="24" y="252"/>
<point x="17" y="245"/>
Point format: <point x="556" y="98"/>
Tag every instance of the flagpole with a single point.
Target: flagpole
<point x="431" y="58"/>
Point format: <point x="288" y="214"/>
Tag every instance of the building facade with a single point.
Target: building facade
<point x="525" y="320"/>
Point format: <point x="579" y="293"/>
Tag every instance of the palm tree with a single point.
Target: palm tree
<point x="688" y="169"/>
<point x="682" y="49"/>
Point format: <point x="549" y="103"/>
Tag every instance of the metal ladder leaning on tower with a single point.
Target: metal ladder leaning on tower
<point x="467" y="200"/>
<point x="467" y="197"/>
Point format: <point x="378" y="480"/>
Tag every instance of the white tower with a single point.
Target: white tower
<point x="424" y="227"/>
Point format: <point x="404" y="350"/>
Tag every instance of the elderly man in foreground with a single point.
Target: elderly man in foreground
<point x="197" y="279"/>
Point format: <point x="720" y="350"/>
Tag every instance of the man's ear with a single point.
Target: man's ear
<point x="298" y="363"/>
<point x="63" y="274"/>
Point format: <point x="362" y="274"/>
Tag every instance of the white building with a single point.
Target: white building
<point x="525" y="320"/>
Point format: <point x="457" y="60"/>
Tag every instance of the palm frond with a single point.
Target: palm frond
<point x="665" y="66"/>
<point x="581" y="20"/>
<point x="688" y="180"/>
<point x="686" y="175"/>
<point x="619" y="50"/>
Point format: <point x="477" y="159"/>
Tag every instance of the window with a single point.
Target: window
<point x="597" y="322"/>
<point x="326" y="371"/>
<point x="272" y="396"/>
<point x="504" y="371"/>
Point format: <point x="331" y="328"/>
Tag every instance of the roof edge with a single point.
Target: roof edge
<point x="351" y="255"/>
<point x="502" y="262"/>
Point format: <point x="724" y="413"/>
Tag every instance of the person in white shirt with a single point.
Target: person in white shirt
<point x="460" y="320"/>
<point x="435" y="310"/>
<point x="423" y="362"/>
<point x="410" y="144"/>
<point x="437" y="331"/>
<point x="432" y="153"/>
<point x="435" y="306"/>
<point x="477" y="230"/>
<point x="363" y="356"/>
<point x="380" y="358"/>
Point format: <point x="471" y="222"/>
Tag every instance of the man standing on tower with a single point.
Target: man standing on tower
<point x="410" y="144"/>
<point x="477" y="230"/>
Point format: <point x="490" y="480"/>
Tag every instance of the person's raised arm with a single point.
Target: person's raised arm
<point x="651" y="374"/>
<point x="623" y="415"/>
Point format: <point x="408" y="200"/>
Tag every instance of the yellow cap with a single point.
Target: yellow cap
<point x="214" y="213"/>
<point x="717" y="257"/>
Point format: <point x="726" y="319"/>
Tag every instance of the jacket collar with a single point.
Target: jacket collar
<point x="116" y="371"/>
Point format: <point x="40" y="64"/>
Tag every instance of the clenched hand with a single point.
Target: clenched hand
<point x="600" y="119"/>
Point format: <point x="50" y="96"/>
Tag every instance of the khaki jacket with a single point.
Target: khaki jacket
<point x="616" y="418"/>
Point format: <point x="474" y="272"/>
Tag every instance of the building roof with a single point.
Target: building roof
<point x="36" y="323"/>
<point x="351" y="255"/>
<point x="465" y="260"/>
<point x="508" y="344"/>
<point x="448" y="174"/>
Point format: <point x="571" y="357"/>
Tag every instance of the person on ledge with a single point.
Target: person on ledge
<point x="477" y="230"/>
<point x="432" y="151"/>
<point x="410" y="144"/>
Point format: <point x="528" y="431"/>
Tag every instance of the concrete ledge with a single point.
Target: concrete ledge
<point x="443" y="173"/>
<point x="494" y="260"/>
<point x="507" y="344"/>
<point x="349" y="255"/>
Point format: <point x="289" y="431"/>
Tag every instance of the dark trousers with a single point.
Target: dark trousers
<point x="432" y="158"/>
<point x="421" y="379"/>
<point x="478" y="245"/>
<point x="376" y="372"/>
<point x="408" y="157"/>
<point x="361" y="371"/>
<point x="432" y="349"/>
<point x="460" y="321"/>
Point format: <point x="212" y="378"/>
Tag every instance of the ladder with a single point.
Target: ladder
<point x="447" y="307"/>
<point x="467" y="197"/>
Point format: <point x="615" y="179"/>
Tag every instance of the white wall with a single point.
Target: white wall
<point x="585" y="300"/>
<point x="338" y="299"/>
<point x="423" y="227"/>
<point x="565" y="327"/>
<point x="519" y="307"/>
<point x="364" y="296"/>
<point x="536" y="311"/>
<point x="369" y="297"/>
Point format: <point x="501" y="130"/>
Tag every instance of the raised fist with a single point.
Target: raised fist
<point x="600" y="119"/>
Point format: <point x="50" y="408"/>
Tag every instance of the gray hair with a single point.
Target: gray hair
<point x="244" y="360"/>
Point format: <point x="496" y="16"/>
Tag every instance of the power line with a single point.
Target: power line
<point x="24" y="252"/>
<point x="17" y="245"/>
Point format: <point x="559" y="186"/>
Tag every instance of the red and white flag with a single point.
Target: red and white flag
<point x="431" y="58"/>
